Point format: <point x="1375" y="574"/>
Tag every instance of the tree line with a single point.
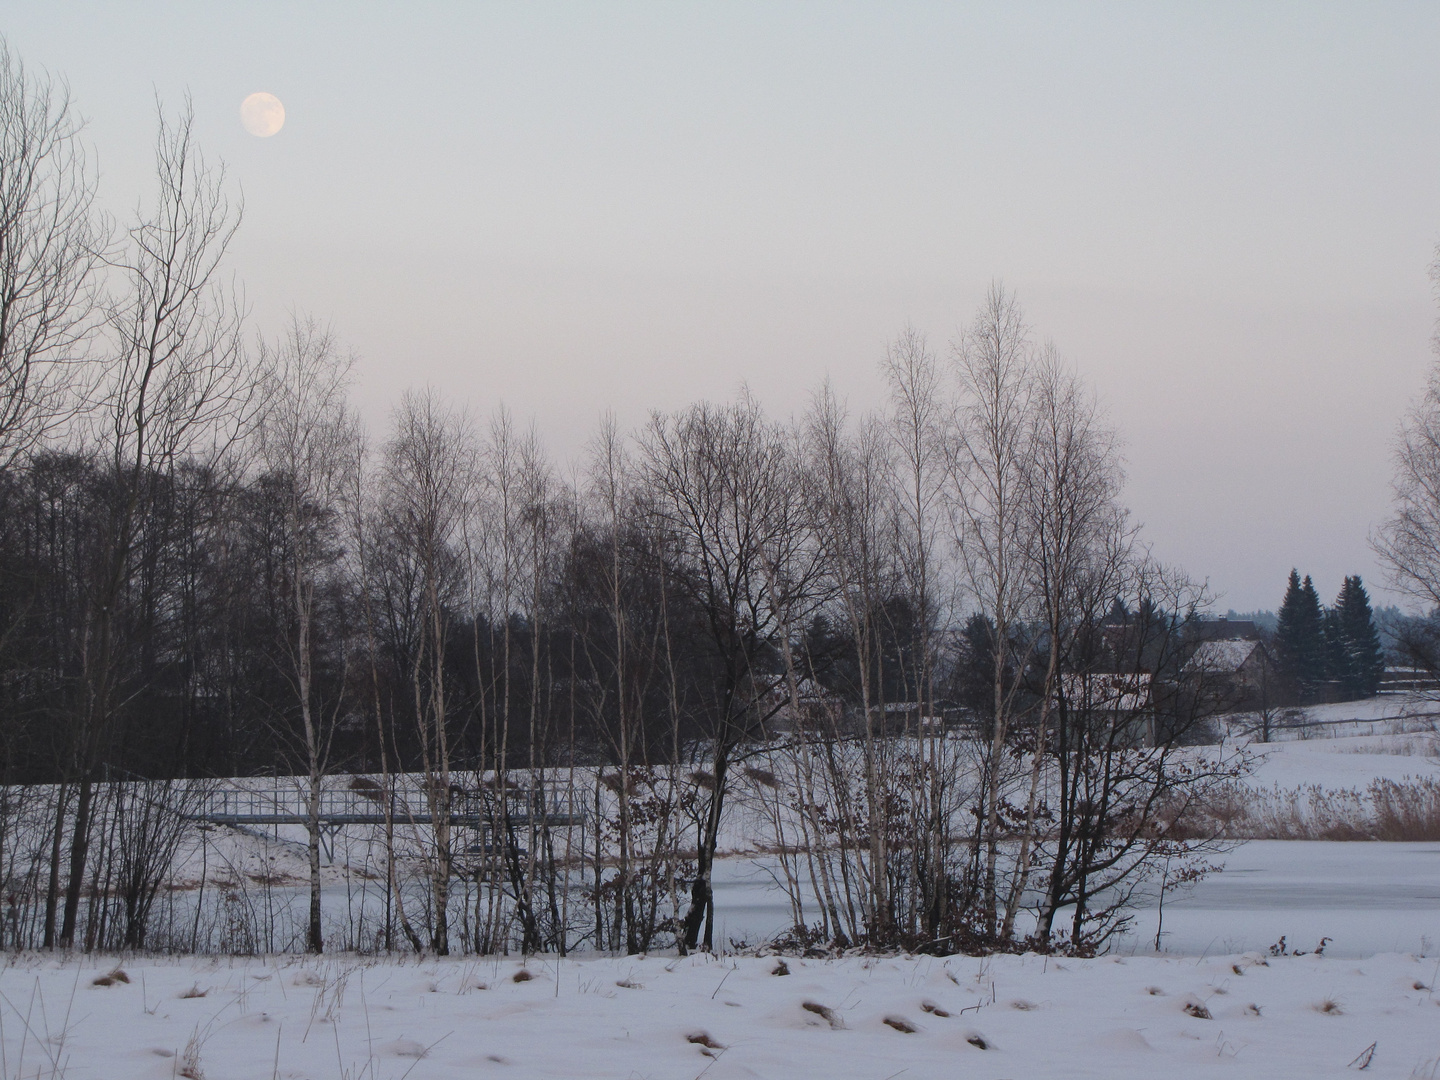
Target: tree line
<point x="921" y="647"/>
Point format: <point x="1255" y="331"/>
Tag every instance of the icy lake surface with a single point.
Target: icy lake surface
<point x="1366" y="897"/>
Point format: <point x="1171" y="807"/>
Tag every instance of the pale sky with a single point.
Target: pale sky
<point x="1222" y="214"/>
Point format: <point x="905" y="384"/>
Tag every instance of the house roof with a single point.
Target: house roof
<point x="1223" y="630"/>
<point x="1221" y="657"/>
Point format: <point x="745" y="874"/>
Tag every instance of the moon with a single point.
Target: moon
<point x="262" y="114"/>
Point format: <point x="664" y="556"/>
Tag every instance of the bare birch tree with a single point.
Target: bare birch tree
<point x="176" y="384"/>
<point x="307" y="444"/>
<point x="51" y="243"/>
<point x="506" y="568"/>
<point x="538" y="529"/>
<point x="1077" y="545"/>
<point x="1408" y="543"/>
<point x="619" y="687"/>
<point x="917" y="425"/>
<point x="850" y="510"/>
<point x="988" y="463"/>
<point x="429" y="466"/>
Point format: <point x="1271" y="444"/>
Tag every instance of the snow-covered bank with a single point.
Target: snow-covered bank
<point x="1345" y="762"/>
<point x="1006" y="1016"/>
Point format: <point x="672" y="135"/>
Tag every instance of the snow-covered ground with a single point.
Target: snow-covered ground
<point x="1349" y="744"/>
<point x="1344" y="762"/>
<point x="1418" y="709"/>
<point x="726" y="1017"/>
<point x="1214" y="997"/>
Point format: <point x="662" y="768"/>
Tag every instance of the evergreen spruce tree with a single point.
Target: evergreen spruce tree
<point x="1285" y="621"/>
<point x="974" y="673"/>
<point x="1300" y="634"/>
<point x="1339" y="667"/>
<point x="1313" y="622"/>
<point x="1287" y="629"/>
<point x="1365" y="659"/>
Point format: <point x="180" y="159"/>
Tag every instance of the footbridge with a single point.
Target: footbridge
<point x="361" y="801"/>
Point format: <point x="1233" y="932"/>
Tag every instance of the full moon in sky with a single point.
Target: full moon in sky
<point x="262" y="114"/>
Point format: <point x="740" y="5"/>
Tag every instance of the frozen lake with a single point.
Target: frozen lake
<point x="1367" y="897"/>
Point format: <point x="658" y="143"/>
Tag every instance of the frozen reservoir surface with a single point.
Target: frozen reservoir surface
<point x="1367" y="897"/>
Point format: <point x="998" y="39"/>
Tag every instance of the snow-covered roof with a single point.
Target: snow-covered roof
<point x="1221" y="657"/>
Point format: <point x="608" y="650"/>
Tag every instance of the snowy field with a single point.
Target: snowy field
<point x="871" y="1019"/>
<point x="1212" y="998"/>
<point x="1345" y="762"/>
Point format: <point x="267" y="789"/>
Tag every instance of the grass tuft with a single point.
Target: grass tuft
<point x="189" y="1065"/>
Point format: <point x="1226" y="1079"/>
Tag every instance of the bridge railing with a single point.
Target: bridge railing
<point x="282" y="802"/>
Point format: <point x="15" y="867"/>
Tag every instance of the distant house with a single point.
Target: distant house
<point x="1222" y="629"/>
<point x="814" y="708"/>
<point x="1121" y="700"/>
<point x="911" y="717"/>
<point x="1106" y="691"/>
<point x="1234" y="667"/>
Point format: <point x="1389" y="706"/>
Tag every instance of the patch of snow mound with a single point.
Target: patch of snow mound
<point x="1121" y="1039"/>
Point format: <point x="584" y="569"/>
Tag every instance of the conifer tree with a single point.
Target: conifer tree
<point x="1364" y="657"/>
<point x="1285" y="621"/>
<point x="1339" y="667"/>
<point x="1300" y="634"/>
<point x="1287" y="629"/>
<point x="1313" y="621"/>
